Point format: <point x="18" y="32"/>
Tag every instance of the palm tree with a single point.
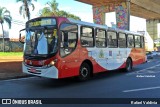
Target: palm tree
<point x="51" y="10"/>
<point x="24" y="8"/>
<point x="4" y="17"/>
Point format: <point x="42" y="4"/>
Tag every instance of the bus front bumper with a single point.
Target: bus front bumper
<point x="48" y="72"/>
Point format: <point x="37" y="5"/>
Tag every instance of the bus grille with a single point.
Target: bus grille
<point x="34" y="71"/>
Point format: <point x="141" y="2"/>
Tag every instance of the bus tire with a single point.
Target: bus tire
<point x="128" y="65"/>
<point x="84" y="72"/>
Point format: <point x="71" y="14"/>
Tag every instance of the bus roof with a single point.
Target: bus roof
<point x="87" y="23"/>
<point x="103" y="27"/>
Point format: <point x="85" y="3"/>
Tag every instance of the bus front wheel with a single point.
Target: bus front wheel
<point x="84" y="72"/>
<point x="128" y="65"/>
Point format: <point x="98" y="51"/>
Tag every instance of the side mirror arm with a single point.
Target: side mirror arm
<point x="20" y="38"/>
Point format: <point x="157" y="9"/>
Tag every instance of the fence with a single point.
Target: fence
<point x="11" y="45"/>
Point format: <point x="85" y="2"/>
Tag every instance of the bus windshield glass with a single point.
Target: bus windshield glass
<point x="40" y="40"/>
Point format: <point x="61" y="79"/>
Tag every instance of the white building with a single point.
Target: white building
<point x="6" y="34"/>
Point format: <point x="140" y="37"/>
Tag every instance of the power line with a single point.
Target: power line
<point x="19" y="24"/>
<point x="18" y="21"/>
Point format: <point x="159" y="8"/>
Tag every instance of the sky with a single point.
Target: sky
<point x="84" y="11"/>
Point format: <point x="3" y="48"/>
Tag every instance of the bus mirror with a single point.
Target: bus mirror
<point x="21" y="38"/>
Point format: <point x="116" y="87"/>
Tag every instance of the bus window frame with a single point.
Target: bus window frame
<point x="93" y="35"/>
<point x="116" y="38"/>
<point x="142" y="46"/>
<point x="60" y="38"/>
<point x="125" y="39"/>
<point x="102" y="38"/>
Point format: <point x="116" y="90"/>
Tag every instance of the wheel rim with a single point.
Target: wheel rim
<point x="84" y="72"/>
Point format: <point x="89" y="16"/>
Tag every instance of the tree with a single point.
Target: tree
<point x="4" y="17"/>
<point x="24" y="8"/>
<point x="53" y="10"/>
<point x="66" y="14"/>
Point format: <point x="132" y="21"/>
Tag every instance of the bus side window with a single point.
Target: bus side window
<point x="100" y="38"/>
<point x="137" y="42"/>
<point x="87" y="37"/>
<point x="112" y="39"/>
<point x="130" y="41"/>
<point x="122" y="40"/>
<point x="72" y="39"/>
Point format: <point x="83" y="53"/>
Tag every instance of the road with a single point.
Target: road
<point x="142" y="82"/>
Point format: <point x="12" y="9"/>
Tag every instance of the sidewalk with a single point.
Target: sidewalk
<point x="11" y="67"/>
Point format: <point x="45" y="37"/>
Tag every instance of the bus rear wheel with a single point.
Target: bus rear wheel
<point x="84" y="72"/>
<point x="128" y="65"/>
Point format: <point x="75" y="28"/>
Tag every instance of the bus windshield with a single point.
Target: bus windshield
<point x="41" y="41"/>
<point x="41" y="37"/>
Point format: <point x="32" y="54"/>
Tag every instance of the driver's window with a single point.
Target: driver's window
<point x="69" y="38"/>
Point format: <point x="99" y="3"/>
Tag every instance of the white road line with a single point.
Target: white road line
<point x="141" y="89"/>
<point x="134" y="72"/>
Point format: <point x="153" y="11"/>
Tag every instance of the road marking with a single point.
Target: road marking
<point x="136" y="72"/>
<point x="141" y="89"/>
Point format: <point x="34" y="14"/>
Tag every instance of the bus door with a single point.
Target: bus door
<point x="137" y="50"/>
<point x="112" y="62"/>
<point x="68" y="52"/>
<point x="122" y="53"/>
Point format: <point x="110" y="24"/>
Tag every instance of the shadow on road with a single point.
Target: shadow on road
<point x="53" y="83"/>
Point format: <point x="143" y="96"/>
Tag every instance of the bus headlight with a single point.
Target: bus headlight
<point x="52" y="63"/>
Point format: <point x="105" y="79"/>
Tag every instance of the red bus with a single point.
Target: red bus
<point x="58" y="47"/>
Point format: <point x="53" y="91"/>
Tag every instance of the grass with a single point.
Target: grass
<point x="11" y="53"/>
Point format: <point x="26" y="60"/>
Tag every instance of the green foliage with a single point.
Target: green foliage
<point x="5" y="16"/>
<point x="24" y="8"/>
<point x="53" y="10"/>
<point x="67" y="14"/>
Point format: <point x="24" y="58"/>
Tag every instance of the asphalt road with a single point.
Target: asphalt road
<point x="142" y="82"/>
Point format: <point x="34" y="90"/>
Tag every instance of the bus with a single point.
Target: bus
<point x="59" y="47"/>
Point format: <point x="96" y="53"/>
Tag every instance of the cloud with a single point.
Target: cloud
<point x="38" y="7"/>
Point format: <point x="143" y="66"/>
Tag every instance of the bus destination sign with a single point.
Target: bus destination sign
<point x="41" y="22"/>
